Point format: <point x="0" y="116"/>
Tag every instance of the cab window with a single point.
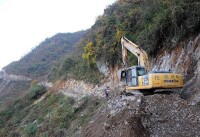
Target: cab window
<point x="129" y="76"/>
<point x="140" y="71"/>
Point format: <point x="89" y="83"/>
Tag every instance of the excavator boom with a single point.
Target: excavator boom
<point x="137" y="51"/>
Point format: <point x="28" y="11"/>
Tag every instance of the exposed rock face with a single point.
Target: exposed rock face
<point x="79" y="89"/>
<point x="103" y="67"/>
<point x="184" y="59"/>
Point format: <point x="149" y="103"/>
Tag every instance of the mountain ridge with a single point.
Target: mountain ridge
<point x="40" y="60"/>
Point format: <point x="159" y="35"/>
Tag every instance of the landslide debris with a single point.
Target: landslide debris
<point x="169" y="115"/>
<point x="142" y="116"/>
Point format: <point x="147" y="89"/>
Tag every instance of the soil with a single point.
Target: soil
<point x="143" y="116"/>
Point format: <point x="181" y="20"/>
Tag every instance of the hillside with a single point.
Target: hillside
<point x="38" y="63"/>
<point x="152" y="24"/>
<point x="58" y="88"/>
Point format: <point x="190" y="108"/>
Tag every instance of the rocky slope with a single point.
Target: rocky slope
<point x="184" y="59"/>
<point x="167" y="30"/>
<point x="159" y="114"/>
<point x="127" y="116"/>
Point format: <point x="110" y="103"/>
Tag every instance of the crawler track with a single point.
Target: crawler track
<point x="151" y="92"/>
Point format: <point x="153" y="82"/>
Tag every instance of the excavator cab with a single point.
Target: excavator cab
<point x="132" y="75"/>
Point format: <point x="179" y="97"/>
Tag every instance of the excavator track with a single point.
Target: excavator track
<point x="168" y="91"/>
<point x="152" y="92"/>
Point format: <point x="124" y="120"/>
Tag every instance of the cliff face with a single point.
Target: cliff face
<point x="184" y="59"/>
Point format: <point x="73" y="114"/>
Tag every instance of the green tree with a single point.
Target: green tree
<point x="89" y="53"/>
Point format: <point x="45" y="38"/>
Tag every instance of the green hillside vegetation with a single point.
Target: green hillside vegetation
<point x="54" y="115"/>
<point x="27" y="109"/>
<point x="14" y="90"/>
<point x="76" y="67"/>
<point x="39" y="61"/>
<point x="152" y="24"/>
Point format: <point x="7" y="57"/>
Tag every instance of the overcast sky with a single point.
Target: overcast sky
<point x="26" y="23"/>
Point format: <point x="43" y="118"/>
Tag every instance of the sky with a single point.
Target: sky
<point x="24" y="24"/>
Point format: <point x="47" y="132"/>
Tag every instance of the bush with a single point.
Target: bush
<point x="152" y="24"/>
<point x="35" y="92"/>
<point x="77" y="69"/>
<point x="30" y="130"/>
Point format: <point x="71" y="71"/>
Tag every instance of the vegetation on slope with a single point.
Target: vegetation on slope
<point x="39" y="61"/>
<point x="14" y="114"/>
<point x="152" y="24"/>
<point x="10" y="91"/>
<point x="76" y="69"/>
<point x="58" y="57"/>
<point x="46" y="114"/>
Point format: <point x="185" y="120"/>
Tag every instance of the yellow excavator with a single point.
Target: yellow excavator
<point x="138" y="78"/>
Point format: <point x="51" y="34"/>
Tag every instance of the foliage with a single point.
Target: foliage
<point x="30" y="130"/>
<point x="77" y="69"/>
<point x="89" y="53"/>
<point x="152" y="24"/>
<point x="12" y="92"/>
<point x="14" y="114"/>
<point x="53" y="115"/>
<point x="35" y="92"/>
<point x="37" y="63"/>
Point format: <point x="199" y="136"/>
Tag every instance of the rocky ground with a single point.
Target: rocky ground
<point x="158" y="115"/>
<point x="141" y="116"/>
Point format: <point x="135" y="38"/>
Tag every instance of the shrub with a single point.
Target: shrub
<point x="35" y="92"/>
<point x="77" y="69"/>
<point x="30" y="130"/>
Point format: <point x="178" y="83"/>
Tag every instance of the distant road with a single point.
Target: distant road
<point x="13" y="77"/>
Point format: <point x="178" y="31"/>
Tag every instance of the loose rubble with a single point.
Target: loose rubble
<point x="155" y="116"/>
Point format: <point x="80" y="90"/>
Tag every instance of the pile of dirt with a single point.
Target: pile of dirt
<point x="169" y="115"/>
<point x="155" y="115"/>
<point x="118" y="118"/>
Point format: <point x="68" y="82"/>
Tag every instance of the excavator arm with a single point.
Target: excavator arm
<point x="137" y="51"/>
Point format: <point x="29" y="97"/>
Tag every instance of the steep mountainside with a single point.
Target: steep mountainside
<point x="11" y="91"/>
<point x="39" y="61"/>
<point x="169" y="30"/>
<point x="152" y="24"/>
